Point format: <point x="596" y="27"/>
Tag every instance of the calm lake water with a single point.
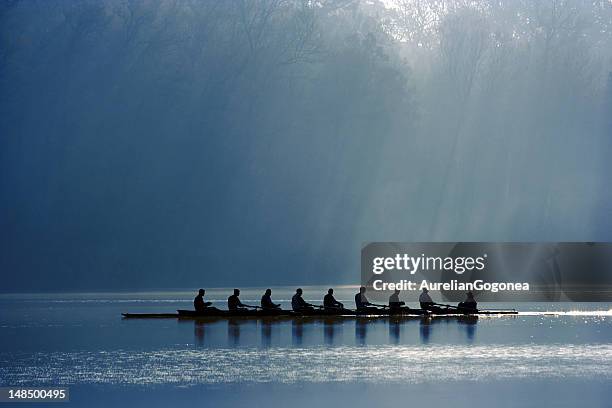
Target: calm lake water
<point x="553" y="354"/>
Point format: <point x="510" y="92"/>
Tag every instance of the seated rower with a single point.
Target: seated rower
<point x="425" y="300"/>
<point x="198" y="303"/>
<point x="394" y="301"/>
<point x="362" y="304"/>
<point x="234" y="303"/>
<point x="266" y="301"/>
<point x="298" y="304"/>
<point x="469" y="302"/>
<point x="329" y="302"/>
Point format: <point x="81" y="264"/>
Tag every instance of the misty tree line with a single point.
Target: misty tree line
<point x="314" y="124"/>
<point x="519" y="86"/>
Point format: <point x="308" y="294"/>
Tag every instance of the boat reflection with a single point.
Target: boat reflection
<point x="329" y="331"/>
<point x="266" y="333"/>
<point x="297" y="332"/>
<point x="394" y="331"/>
<point x="362" y="325"/>
<point x="332" y="328"/>
<point x="234" y="328"/>
<point x="468" y="323"/>
<point x="199" y="332"/>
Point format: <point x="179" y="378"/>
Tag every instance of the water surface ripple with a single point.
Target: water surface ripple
<point x="405" y="364"/>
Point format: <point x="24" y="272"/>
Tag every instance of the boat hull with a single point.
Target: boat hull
<point x="281" y="314"/>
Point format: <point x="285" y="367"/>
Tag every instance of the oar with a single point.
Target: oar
<point x="374" y="304"/>
<point x="252" y="307"/>
<point x="456" y="307"/>
<point x="442" y="304"/>
<point x="311" y="305"/>
<point x="475" y="310"/>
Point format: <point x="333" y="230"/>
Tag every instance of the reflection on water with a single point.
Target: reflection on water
<point x="469" y="324"/>
<point x="466" y="324"/>
<point x="361" y="331"/>
<point x="394" y="331"/>
<point x="425" y="330"/>
<point x="74" y="342"/>
<point x="297" y="332"/>
<point x="384" y="363"/>
<point x="371" y="330"/>
<point x="332" y="328"/>
<point x="233" y="332"/>
<point x="266" y="333"/>
<point x="200" y="329"/>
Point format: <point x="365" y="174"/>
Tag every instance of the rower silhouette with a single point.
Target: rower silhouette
<point x="425" y="300"/>
<point x="427" y="303"/>
<point x="362" y="303"/>
<point x="266" y="301"/>
<point x="234" y="303"/>
<point x="198" y="303"/>
<point x="298" y="304"/>
<point x="330" y="303"/>
<point x="394" y="301"/>
<point x="469" y="302"/>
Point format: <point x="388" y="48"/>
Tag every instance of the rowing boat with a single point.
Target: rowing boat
<point x="277" y="313"/>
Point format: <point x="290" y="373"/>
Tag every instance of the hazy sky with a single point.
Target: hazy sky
<point x="173" y="145"/>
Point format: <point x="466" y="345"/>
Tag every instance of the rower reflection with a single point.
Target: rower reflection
<point x="466" y="324"/>
<point x="233" y="331"/>
<point x="361" y="331"/>
<point x="331" y="328"/>
<point x="266" y="333"/>
<point x="199" y="332"/>
<point x="394" y="331"/>
<point x="297" y="332"/>
<point x="425" y="329"/>
<point x="469" y="324"/>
